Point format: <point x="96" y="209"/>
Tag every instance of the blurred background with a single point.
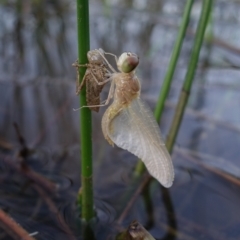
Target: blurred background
<point x="38" y="44"/>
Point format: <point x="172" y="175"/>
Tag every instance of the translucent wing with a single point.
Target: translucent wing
<point x="135" y="129"/>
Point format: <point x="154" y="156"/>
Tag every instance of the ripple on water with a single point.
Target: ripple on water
<point x="105" y="212"/>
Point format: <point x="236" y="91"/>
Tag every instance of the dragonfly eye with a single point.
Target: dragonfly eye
<point x="127" y="62"/>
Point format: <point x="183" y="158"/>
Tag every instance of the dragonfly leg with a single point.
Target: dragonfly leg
<point x="100" y="83"/>
<point x="116" y="59"/>
<point x="106" y="61"/>
<point x="78" y="85"/>
<point x="77" y="65"/>
<point x="110" y="95"/>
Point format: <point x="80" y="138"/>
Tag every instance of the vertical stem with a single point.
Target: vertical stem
<point x="172" y="64"/>
<point x="206" y="9"/>
<point x="140" y="167"/>
<point x="86" y="198"/>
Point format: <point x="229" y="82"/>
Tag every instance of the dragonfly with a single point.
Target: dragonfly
<point x="94" y="77"/>
<point x="129" y="123"/>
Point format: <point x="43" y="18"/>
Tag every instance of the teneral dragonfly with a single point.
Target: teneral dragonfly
<point x="129" y="123"/>
<point x="94" y="78"/>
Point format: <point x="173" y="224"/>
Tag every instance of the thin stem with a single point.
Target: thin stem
<point x="206" y="9"/>
<point x="140" y="168"/>
<point x="172" y="64"/>
<point x="13" y="228"/>
<point x="85" y="114"/>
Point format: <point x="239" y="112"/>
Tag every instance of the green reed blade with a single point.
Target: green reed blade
<point x="140" y="168"/>
<point x="202" y="24"/>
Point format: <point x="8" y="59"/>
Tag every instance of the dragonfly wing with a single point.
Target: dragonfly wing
<point x="136" y="130"/>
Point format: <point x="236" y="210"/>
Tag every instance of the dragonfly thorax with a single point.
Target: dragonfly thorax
<point x="127" y="87"/>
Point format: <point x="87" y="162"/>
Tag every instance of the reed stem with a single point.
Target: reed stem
<point x="202" y="24"/>
<point x="173" y="61"/>
<point x="85" y="196"/>
<point x="140" y="168"/>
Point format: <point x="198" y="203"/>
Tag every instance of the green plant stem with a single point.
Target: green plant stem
<point x="140" y="168"/>
<point x="86" y="196"/>
<point x="173" y="62"/>
<point x="202" y="24"/>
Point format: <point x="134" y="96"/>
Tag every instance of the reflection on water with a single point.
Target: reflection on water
<point x="205" y="193"/>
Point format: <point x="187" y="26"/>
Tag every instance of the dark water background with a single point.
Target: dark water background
<point x="38" y="44"/>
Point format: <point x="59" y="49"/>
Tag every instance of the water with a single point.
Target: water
<point x="38" y="93"/>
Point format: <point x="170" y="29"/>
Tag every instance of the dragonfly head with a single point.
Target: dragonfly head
<point x="127" y="62"/>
